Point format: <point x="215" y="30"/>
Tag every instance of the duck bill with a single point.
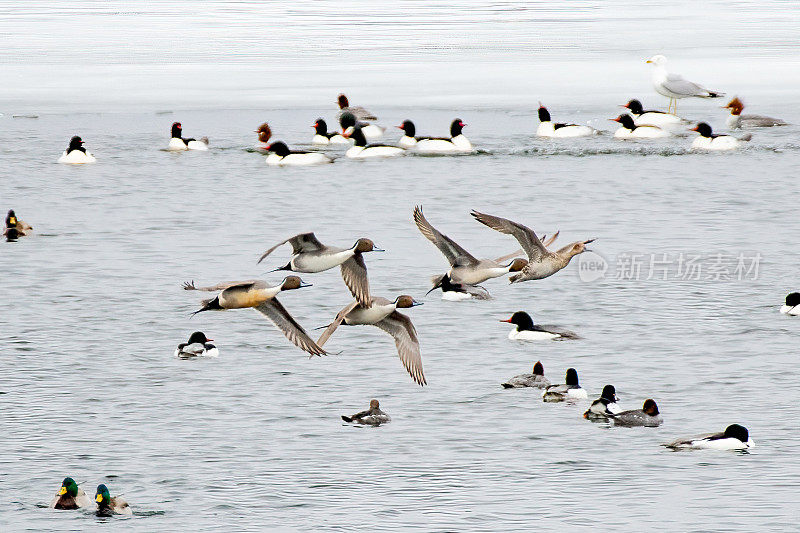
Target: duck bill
<point x="62" y="491"/>
<point x="416" y="303"/>
<point x="375" y="249"/>
<point x="648" y="61"/>
<point x="693" y="129"/>
<point x="614" y="119"/>
<point x="98" y="498"/>
<point x="304" y="284"/>
<point x="508" y="320"/>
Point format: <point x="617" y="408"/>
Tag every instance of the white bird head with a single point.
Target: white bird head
<point x="658" y="60"/>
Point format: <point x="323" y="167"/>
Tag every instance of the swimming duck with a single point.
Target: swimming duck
<point x="737" y="120"/>
<point x="15" y="227"/>
<point x="264" y="133"/>
<point x="409" y="137"/>
<point x="177" y="142"/>
<point x="535" y="380"/>
<point x="541" y="262"/>
<point x="526" y="330"/>
<point x="458" y="292"/>
<point x="674" y="86"/>
<point x="262" y="297"/>
<point x="361" y="149"/>
<point x="323" y="137"/>
<point x="76" y="154"/>
<point x="647" y="416"/>
<point x="790" y="306"/>
<point x="280" y="155"/>
<point x="651" y="117"/>
<point x="349" y="123"/>
<point x="70" y="496"/>
<point x="735" y="437"/>
<point x="464" y="267"/>
<point x="548" y="129"/>
<point x="457" y="142"/>
<point x="570" y="390"/>
<point x="108" y="506"/>
<point x="371" y="417"/>
<point x="359" y="112"/>
<point x="629" y="130"/>
<point x="383" y="314"/>
<point x="605" y="406"/>
<point x="197" y="346"/>
<point x="707" y="140"/>
<point x="310" y="256"/>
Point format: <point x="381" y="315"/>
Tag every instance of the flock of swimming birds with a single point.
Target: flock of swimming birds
<point x="466" y="272"/>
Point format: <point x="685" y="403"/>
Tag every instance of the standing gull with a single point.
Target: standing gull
<point x="674" y="86"/>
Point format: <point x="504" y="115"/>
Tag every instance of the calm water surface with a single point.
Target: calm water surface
<point x="93" y="308"/>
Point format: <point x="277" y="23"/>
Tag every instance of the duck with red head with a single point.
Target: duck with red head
<point x="629" y="130"/>
<point x="178" y="143"/>
<point x="736" y="120"/>
<point x="198" y="345"/>
<point x="647" y="416"/>
<point x="650" y="117"/>
<point x="279" y="155"/>
<point x="264" y="133"/>
<point x="323" y="137"/>
<point x="358" y="112"/>
<point x="526" y="330"/>
<point x="605" y="406"/>
<point x="535" y="380"/>
<point x="570" y="390"/>
<point x="76" y="154"/>
<point x="708" y="140"/>
<point x="371" y="417"/>
<point x="456" y="143"/>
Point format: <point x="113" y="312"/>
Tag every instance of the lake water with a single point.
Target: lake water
<point x="253" y="440"/>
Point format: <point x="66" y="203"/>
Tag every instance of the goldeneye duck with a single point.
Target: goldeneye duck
<point x="647" y="416"/>
<point x="535" y="380"/>
<point x="735" y="437"/>
<point x="371" y="417"/>
<point x="280" y="155"/>
<point x="15" y="228"/>
<point x="549" y="129"/>
<point x="70" y="496"/>
<point x="349" y="123"/>
<point x="629" y="130"/>
<point x="324" y="137"/>
<point x="359" y="112"/>
<point x="198" y="345"/>
<point x="108" y="506"/>
<point x="707" y="140"/>
<point x="457" y="142"/>
<point x="737" y="120"/>
<point x="362" y="150"/>
<point x="177" y="142"/>
<point x="76" y="154"/>
<point x="605" y="406"/>
<point x="570" y="390"/>
<point x="526" y="330"/>
<point x="791" y="306"/>
<point x="651" y="117"/>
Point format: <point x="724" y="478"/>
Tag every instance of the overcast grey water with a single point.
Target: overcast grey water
<point x="92" y="305"/>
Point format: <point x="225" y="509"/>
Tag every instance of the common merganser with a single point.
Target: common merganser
<point x="383" y="314"/>
<point x="629" y="129"/>
<point x="707" y="140"/>
<point x="647" y="416"/>
<point x="177" y="143"/>
<point x="605" y="406"/>
<point x="735" y="437"/>
<point x="535" y="380"/>
<point x="736" y="120"/>
<point x="457" y="142"/>
<point x="570" y="390"/>
<point x="674" y="86"/>
<point x="791" y="306"/>
<point x="198" y="345"/>
<point x="542" y="263"/>
<point x="409" y="137"/>
<point x="359" y="112"/>
<point x="323" y="137"/>
<point x="70" y="496"/>
<point x="348" y="123"/>
<point x="371" y="417"/>
<point x="280" y="155"/>
<point x="264" y="134"/>
<point x="362" y="150"/>
<point x="262" y="297"/>
<point x="459" y="292"/>
<point x="76" y="154"/>
<point x="108" y="506"/>
<point x="549" y="129"/>
<point x="310" y="256"/>
<point x="526" y="330"/>
<point x="651" y="117"/>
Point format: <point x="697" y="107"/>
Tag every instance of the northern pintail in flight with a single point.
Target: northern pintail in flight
<point x="261" y="297"/>
<point x="541" y="262"/>
<point x="310" y="256"/>
<point x="371" y="417"/>
<point x="464" y="267"/>
<point x="674" y="86"/>
<point x="382" y="313"/>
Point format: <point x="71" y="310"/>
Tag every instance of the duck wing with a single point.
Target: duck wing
<point x="190" y="286"/>
<point x="335" y="324"/>
<point x="545" y="242"/>
<point x="302" y="242"/>
<point x="527" y="238"/>
<point x="400" y="327"/>
<point x="293" y="331"/>
<point x="354" y="274"/>
<point x="454" y="253"/>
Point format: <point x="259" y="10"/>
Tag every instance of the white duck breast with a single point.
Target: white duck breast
<point x="322" y="140"/>
<point x="196" y="349"/>
<point x="176" y="144"/>
<point x="363" y="152"/>
<point x="526" y="335"/>
<point x="735" y="437"/>
<point x="657" y="118"/>
<point x="298" y="159"/>
<point x="641" y="132"/>
<point x="197" y="145"/>
<point x="719" y="142"/>
<point x="406" y="141"/>
<point x="456" y="144"/>
<point x="76" y="157"/>
<point x="371" y="131"/>
<point x="548" y="129"/>
<point x="791" y="310"/>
